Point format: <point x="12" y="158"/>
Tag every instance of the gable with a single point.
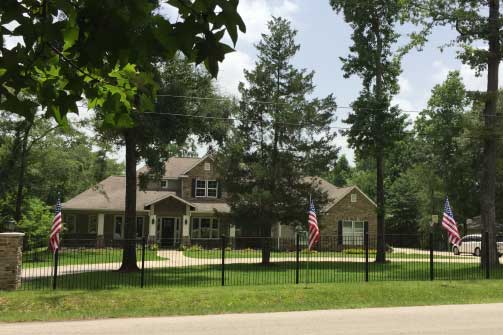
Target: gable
<point x="362" y="201"/>
<point x="204" y="168"/>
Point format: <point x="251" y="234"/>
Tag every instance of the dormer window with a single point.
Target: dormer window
<point x="164" y="184"/>
<point x="353" y="197"/>
<point x="207" y="166"/>
<point x="206" y="188"/>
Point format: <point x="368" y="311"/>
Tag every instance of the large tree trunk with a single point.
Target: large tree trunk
<point x="488" y="176"/>
<point x="129" y="246"/>
<point x="266" y="244"/>
<point x="22" y="173"/>
<point x="381" y="243"/>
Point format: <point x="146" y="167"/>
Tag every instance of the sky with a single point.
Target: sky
<point x="324" y="37"/>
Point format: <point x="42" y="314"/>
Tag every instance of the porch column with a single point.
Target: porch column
<point x="100" y="231"/>
<point x="232" y="235"/>
<point x="152" y="219"/>
<point x="186" y="226"/>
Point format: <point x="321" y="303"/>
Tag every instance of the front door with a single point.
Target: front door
<point x="167" y="231"/>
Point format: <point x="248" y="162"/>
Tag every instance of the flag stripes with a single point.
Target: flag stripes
<point x="57" y="225"/>
<point x="314" y="231"/>
<point x="450" y="224"/>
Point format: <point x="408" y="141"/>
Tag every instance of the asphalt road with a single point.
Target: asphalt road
<point x="455" y="319"/>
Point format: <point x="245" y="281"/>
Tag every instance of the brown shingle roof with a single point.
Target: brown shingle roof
<point x="175" y="166"/>
<point x="109" y="195"/>
<point x="335" y="194"/>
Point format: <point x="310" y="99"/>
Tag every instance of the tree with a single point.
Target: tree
<point x="106" y="52"/>
<point x="341" y="173"/>
<point x="444" y="132"/>
<point x="375" y="126"/>
<point x="473" y="26"/>
<point x="279" y="143"/>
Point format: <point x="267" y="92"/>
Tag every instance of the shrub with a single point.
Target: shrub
<point x="195" y="247"/>
<point x="153" y="247"/>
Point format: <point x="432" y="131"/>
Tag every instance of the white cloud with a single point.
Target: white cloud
<point x="256" y="13"/>
<point x="232" y="71"/>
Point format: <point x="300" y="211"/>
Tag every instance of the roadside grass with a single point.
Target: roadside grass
<point x="42" y="257"/>
<point x="136" y="302"/>
<point x="257" y="274"/>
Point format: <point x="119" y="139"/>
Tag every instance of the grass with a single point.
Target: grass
<point x="43" y="257"/>
<point x="136" y="302"/>
<point x="252" y="253"/>
<point x="257" y="274"/>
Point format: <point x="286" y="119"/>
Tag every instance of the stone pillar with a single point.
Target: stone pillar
<point x="100" y="231"/>
<point x="11" y="251"/>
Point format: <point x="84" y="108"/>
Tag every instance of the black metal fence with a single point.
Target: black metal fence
<point x="87" y="264"/>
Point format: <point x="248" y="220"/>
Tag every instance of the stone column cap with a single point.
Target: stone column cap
<point x="11" y="234"/>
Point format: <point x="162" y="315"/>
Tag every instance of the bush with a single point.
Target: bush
<point x="153" y="247"/>
<point x="195" y="247"/>
<point x="36" y="220"/>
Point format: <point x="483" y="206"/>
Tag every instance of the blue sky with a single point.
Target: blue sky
<point x="324" y="37"/>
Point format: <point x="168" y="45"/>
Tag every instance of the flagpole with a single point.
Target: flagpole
<point x="308" y="250"/>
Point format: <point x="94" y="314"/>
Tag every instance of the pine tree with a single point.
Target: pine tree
<point x="277" y="144"/>
<point x="375" y="125"/>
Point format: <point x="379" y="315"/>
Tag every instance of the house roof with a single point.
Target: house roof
<point x="335" y="194"/>
<point x="109" y="195"/>
<point x="176" y="166"/>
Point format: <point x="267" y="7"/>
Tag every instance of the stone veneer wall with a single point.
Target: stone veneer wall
<point x="11" y="245"/>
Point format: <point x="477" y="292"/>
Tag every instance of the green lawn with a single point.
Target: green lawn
<point x="253" y="253"/>
<point x="43" y="258"/>
<point x="136" y="302"/>
<point x="257" y="274"/>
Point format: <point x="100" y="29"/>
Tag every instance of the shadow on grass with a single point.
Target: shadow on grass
<point x="257" y="274"/>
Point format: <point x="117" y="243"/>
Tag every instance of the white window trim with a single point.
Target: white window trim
<point x="165" y="186"/>
<point x="354" y="197"/>
<point x="89" y="224"/>
<point x="74" y="230"/>
<point x="206" y="182"/>
<point x="122" y="226"/>
<point x="207" y="166"/>
<point x="199" y="218"/>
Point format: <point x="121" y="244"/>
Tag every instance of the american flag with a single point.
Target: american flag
<point x="450" y="224"/>
<point x="56" y="228"/>
<point x="314" y="231"/>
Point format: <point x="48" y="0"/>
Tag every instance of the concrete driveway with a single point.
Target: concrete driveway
<point x="428" y="320"/>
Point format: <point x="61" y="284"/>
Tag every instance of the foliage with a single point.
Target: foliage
<point x="36" y="221"/>
<point x="268" y="155"/>
<point x="102" y="51"/>
<point x="375" y="125"/>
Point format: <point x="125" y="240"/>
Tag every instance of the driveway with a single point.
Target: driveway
<point x="428" y="320"/>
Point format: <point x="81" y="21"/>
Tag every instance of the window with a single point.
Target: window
<point x="139" y="226"/>
<point x="207" y="166"/>
<point x="205" y="228"/>
<point x="212" y="188"/>
<point x="353" y="232"/>
<point x="70" y="223"/>
<point x="206" y="188"/>
<point x="200" y="188"/>
<point x="353" y="197"/>
<point x="118" y="226"/>
<point x="92" y="224"/>
<point x="164" y="184"/>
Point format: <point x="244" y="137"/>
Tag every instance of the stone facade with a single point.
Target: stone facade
<point x="11" y="245"/>
<point x="362" y="209"/>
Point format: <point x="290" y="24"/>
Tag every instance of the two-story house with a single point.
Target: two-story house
<point x="188" y="204"/>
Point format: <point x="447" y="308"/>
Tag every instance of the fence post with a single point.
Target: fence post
<point x="223" y="259"/>
<point x="143" y="245"/>
<point x="486" y="251"/>
<point x="297" y="257"/>
<point x="55" y="274"/>
<point x="431" y="256"/>
<point x="366" y="243"/>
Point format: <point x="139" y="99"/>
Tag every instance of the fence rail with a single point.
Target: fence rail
<point x="95" y="264"/>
